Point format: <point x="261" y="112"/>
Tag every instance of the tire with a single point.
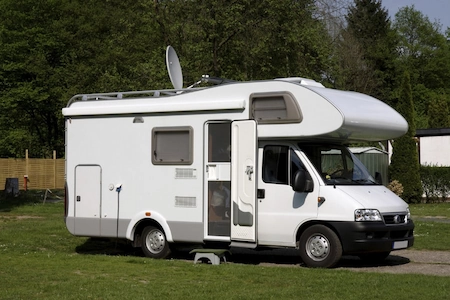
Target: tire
<point x="320" y="247"/>
<point x="376" y="257"/>
<point x="154" y="243"/>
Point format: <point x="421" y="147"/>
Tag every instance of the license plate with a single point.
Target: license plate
<point x="400" y="245"/>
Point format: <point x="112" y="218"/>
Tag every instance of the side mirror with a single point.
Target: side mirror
<point x="378" y="178"/>
<point x="302" y="182"/>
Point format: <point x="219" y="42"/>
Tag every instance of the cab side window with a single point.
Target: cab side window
<point x="275" y="164"/>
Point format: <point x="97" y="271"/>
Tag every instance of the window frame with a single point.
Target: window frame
<point x="291" y="107"/>
<point x="175" y="129"/>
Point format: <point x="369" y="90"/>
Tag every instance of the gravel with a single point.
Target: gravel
<point x="405" y="262"/>
<point x="399" y="262"/>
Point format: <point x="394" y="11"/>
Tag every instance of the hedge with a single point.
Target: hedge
<point x="435" y="183"/>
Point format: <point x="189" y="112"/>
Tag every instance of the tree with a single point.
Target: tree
<point x="425" y="54"/>
<point x="439" y="113"/>
<point x="51" y="50"/>
<point x="367" y="50"/>
<point x="404" y="163"/>
<point x="246" y="40"/>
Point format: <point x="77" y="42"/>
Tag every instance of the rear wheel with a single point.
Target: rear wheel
<point x="154" y="242"/>
<point x="320" y="247"/>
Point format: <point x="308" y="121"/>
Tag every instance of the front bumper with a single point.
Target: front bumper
<point x="366" y="237"/>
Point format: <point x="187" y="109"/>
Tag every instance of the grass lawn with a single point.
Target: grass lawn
<point x="39" y="259"/>
<point x="432" y="226"/>
<point x="430" y="210"/>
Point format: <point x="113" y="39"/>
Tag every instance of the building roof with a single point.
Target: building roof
<point x="432" y="132"/>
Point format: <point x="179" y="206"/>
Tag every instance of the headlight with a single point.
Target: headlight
<point x="408" y="215"/>
<point x="367" y="215"/>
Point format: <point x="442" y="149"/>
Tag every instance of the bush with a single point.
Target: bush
<point x="435" y="183"/>
<point x="396" y="187"/>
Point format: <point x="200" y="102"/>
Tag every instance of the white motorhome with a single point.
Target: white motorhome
<point x="243" y="164"/>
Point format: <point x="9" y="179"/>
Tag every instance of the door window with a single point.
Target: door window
<point x="219" y="185"/>
<point x="219" y="144"/>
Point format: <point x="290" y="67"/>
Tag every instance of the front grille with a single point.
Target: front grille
<point x="394" y="219"/>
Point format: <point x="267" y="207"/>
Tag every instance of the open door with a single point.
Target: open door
<point x="243" y="183"/>
<point x="218" y="184"/>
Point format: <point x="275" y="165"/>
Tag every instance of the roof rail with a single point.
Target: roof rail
<point x="131" y="94"/>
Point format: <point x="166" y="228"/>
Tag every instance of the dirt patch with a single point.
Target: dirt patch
<point x="20" y="217"/>
<point x="405" y="262"/>
<point x="399" y="262"/>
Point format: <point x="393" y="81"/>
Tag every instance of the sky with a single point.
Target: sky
<point x="433" y="9"/>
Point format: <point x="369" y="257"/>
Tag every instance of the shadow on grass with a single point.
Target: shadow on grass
<point x="9" y="201"/>
<point x="292" y="257"/>
<point x="99" y="246"/>
<point x="354" y="262"/>
<point x="285" y="257"/>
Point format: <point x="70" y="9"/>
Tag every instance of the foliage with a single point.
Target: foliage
<point x="424" y="52"/>
<point x="396" y="187"/>
<point x="439" y="113"/>
<point x="435" y="183"/>
<point x="51" y="50"/>
<point x="367" y="50"/>
<point x="246" y="40"/>
<point x="55" y="49"/>
<point x="405" y="163"/>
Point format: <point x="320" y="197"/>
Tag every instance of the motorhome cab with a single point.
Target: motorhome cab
<point x="246" y="164"/>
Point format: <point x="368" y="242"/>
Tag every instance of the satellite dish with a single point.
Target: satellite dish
<point x="174" y="68"/>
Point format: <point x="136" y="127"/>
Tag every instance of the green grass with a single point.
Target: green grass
<point x="430" y="210"/>
<point x="432" y="229"/>
<point x="39" y="259"/>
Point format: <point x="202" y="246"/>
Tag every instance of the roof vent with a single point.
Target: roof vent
<point x="302" y="81"/>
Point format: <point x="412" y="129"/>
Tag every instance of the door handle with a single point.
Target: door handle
<point x="249" y="172"/>
<point x="261" y="193"/>
<point x="78" y="198"/>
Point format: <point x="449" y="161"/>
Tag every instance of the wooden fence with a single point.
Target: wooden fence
<point x="33" y="173"/>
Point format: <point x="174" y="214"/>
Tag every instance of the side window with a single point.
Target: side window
<point x="172" y="146"/>
<point x="275" y="164"/>
<point x="279" y="107"/>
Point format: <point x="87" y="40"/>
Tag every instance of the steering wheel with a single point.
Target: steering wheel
<point x="338" y="174"/>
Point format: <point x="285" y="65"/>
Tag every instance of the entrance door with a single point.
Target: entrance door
<point x="243" y="181"/>
<point x="217" y="185"/>
<point x="87" y="200"/>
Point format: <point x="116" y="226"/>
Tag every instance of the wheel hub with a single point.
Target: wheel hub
<point x="318" y="247"/>
<point x="155" y="241"/>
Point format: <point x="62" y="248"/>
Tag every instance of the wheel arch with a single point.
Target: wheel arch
<point x="155" y="219"/>
<point x="310" y="223"/>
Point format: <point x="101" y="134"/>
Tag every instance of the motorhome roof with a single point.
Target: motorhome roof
<point x="326" y="113"/>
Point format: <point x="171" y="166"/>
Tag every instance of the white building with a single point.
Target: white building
<point x="434" y="146"/>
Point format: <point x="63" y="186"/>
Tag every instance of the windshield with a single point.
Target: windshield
<point x="337" y="165"/>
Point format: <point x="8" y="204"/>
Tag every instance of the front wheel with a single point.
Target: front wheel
<point x="320" y="247"/>
<point x="154" y="243"/>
